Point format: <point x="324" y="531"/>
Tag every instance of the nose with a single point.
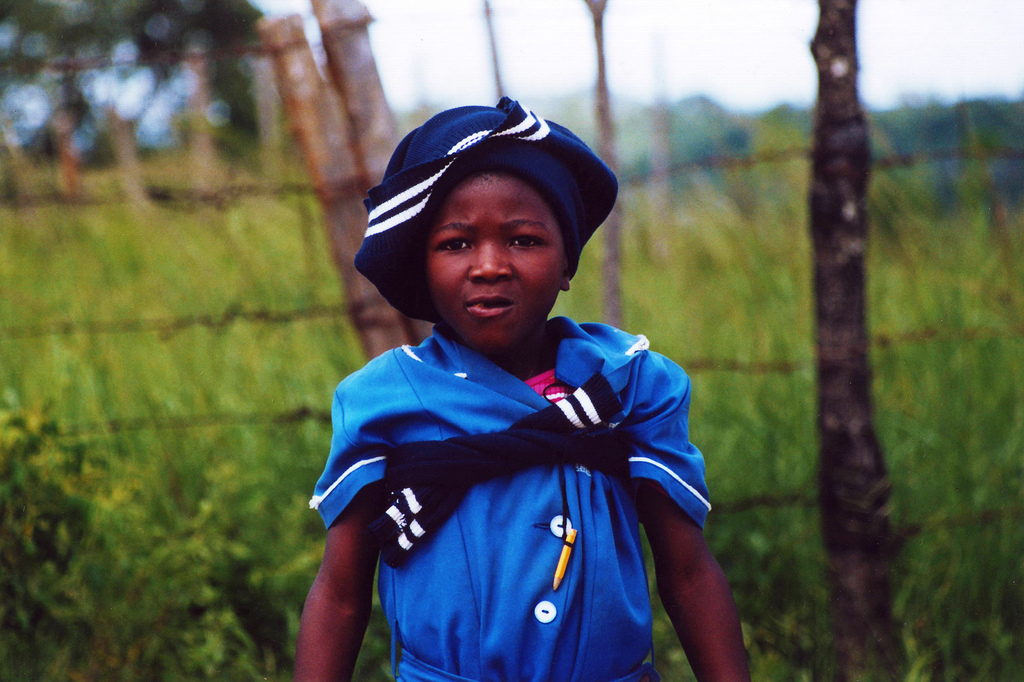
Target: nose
<point x="490" y="264"/>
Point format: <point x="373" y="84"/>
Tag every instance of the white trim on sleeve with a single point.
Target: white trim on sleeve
<point x="314" y="503"/>
<point x="648" y="460"/>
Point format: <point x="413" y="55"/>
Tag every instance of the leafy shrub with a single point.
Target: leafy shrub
<point x="44" y="523"/>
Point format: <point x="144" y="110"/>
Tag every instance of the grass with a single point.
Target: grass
<point x="203" y="546"/>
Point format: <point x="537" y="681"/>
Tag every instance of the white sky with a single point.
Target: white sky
<point x="745" y="54"/>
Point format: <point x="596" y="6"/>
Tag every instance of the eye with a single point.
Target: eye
<point x="526" y="240"/>
<point x="452" y="245"/>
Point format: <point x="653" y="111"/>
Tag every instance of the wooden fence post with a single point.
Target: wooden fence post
<point x="373" y="134"/>
<point x="606" y="150"/>
<point x="322" y="133"/>
<point x="268" y="106"/>
<point x="122" y="137"/>
<point x="854" y="486"/>
<point x="17" y="166"/>
<point x="661" y="136"/>
<point x="203" y="149"/>
<point x="489" y="19"/>
<point x="69" y="175"/>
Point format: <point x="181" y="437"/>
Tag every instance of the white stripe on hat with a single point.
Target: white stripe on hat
<point x="397" y="218"/>
<point x="469" y="140"/>
<point x="526" y="124"/>
<point x="402" y="197"/>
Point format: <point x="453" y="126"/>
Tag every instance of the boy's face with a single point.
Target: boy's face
<point x="495" y="264"/>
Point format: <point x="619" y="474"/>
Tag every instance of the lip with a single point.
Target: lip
<point x="486" y="307"/>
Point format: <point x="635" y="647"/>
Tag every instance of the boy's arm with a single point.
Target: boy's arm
<point x="693" y="589"/>
<point x="337" y="610"/>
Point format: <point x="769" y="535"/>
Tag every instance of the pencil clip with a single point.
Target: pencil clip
<point x="568" y="540"/>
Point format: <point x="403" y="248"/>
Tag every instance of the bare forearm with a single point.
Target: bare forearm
<point x="337" y="610"/>
<point x="694" y="590"/>
<point x="330" y="636"/>
<point x="705" y="618"/>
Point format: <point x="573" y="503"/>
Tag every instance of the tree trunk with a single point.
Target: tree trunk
<point x="322" y="132"/>
<point x="372" y="132"/>
<point x="268" y="108"/>
<point x="68" y="161"/>
<point x="606" y="150"/>
<point x="129" y="170"/>
<point x="854" y="486"/>
<point x="201" y="144"/>
<point x="489" y="19"/>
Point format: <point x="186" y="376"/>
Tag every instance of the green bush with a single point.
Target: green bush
<point x="44" y="527"/>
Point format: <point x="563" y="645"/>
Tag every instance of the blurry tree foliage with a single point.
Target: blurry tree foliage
<point x="34" y="32"/>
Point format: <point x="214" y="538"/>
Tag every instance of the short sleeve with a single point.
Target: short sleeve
<point x="373" y="409"/>
<point x="350" y="465"/>
<point x="657" y="425"/>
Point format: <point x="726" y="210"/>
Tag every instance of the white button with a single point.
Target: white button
<point x="556" y="526"/>
<point x="545" y="612"/>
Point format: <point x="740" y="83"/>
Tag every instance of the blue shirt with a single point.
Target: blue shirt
<point x="476" y="601"/>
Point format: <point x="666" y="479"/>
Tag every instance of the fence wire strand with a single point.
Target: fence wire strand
<point x="181" y="196"/>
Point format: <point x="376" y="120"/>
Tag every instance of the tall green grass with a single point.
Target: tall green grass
<point x="202" y="547"/>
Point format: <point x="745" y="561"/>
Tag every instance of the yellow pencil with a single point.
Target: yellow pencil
<point x="563" y="560"/>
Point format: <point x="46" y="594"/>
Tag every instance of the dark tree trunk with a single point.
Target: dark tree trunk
<point x="606" y="150"/>
<point x="854" y="486"/>
<point x="489" y="19"/>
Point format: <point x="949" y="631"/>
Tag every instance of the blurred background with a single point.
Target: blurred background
<point x="173" y="322"/>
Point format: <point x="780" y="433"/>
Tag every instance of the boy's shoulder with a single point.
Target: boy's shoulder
<point x="390" y="369"/>
<point x="623" y="357"/>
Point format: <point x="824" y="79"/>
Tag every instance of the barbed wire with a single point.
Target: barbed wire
<point x="169" y="326"/>
<point x="800" y="498"/>
<point x="170" y="196"/>
<point x="66" y="65"/>
<point x="194" y="421"/>
<point x="909" y="531"/>
<point x="224" y="196"/>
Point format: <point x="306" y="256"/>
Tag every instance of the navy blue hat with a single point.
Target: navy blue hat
<point x="458" y="143"/>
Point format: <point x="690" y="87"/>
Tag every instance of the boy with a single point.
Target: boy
<point x="504" y="464"/>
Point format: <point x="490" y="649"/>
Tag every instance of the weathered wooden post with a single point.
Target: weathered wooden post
<point x="200" y="130"/>
<point x="854" y="485"/>
<point x="606" y="150"/>
<point x="661" y="136"/>
<point x="495" y="62"/>
<point x="372" y="132"/>
<point x="122" y="137"/>
<point x="17" y="166"/>
<point x="69" y="175"/>
<point x="322" y="132"/>
<point x="268" y="106"/>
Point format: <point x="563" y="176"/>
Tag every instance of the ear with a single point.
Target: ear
<point x="565" y="278"/>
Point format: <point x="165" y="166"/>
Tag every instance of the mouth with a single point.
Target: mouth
<point x="488" y="306"/>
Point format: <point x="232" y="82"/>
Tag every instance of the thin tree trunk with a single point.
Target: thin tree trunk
<point x="372" y="132"/>
<point x="122" y="135"/>
<point x="17" y="167"/>
<point x="661" y="136"/>
<point x="68" y="161"/>
<point x="321" y="129"/>
<point x="854" y="486"/>
<point x="201" y="144"/>
<point x="606" y="149"/>
<point x="489" y="18"/>
<point x="268" y="108"/>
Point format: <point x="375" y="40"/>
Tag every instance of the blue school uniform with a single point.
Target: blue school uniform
<point x="476" y="601"/>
